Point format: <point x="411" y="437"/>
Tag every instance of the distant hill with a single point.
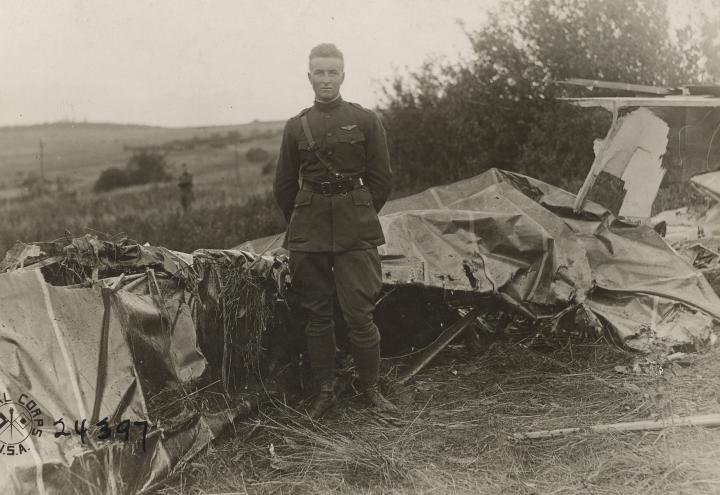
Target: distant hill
<point x="65" y="124"/>
<point x="78" y="152"/>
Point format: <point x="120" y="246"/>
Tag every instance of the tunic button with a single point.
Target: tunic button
<point x="329" y="134"/>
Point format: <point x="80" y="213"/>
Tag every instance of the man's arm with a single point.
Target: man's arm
<point x="285" y="185"/>
<point x="378" y="175"/>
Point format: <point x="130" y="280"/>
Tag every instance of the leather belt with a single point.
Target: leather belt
<point x="329" y="188"/>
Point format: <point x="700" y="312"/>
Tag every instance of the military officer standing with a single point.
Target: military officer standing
<point x="332" y="177"/>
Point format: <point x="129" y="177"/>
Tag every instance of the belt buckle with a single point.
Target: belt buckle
<point x="326" y="188"/>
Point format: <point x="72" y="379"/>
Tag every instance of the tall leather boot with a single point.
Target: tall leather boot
<point x="367" y="360"/>
<point x="321" y="350"/>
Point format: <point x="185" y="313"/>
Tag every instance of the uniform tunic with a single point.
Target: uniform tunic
<point x="353" y="140"/>
<point x="333" y="239"/>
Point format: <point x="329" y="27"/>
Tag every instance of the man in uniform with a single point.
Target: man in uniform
<point x="185" y="183"/>
<point x="332" y="177"/>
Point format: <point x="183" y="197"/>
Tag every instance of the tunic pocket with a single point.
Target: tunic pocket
<point x="366" y="219"/>
<point x="361" y="197"/>
<point x="305" y="153"/>
<point x="351" y="144"/>
<point x="353" y="137"/>
<point x="300" y="226"/>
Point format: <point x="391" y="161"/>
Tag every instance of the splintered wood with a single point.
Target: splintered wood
<point x="448" y="335"/>
<point x="659" y="424"/>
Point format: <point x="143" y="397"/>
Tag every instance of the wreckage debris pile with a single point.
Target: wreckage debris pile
<point x="461" y="416"/>
<point x="235" y="295"/>
<point x="178" y="338"/>
<point x="521" y="242"/>
<point x="204" y="333"/>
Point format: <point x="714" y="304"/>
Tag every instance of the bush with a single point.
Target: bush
<point x="143" y="168"/>
<point x="112" y="178"/>
<point x="500" y="107"/>
<point x="257" y="155"/>
<point x="146" y="167"/>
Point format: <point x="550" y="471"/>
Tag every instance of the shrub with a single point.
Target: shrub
<point x="143" y="167"/>
<point x="500" y="107"/>
<point x="146" y="167"/>
<point x="111" y="178"/>
<point x="257" y="155"/>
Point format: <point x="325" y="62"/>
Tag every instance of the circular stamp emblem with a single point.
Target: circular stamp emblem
<point x="19" y="418"/>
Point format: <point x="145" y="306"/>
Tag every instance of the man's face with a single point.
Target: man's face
<point x="326" y="76"/>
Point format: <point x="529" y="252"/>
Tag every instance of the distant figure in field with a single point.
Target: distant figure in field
<point x="185" y="183"/>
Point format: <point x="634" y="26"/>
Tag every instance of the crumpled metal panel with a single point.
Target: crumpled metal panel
<point x="50" y="346"/>
<point x="519" y="239"/>
<point x="490" y="234"/>
<point x="630" y="160"/>
<point x="68" y="351"/>
<point x="162" y="336"/>
<point x="645" y="322"/>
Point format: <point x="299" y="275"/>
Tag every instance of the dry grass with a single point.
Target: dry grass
<point x="247" y="309"/>
<point x="230" y="205"/>
<point x="454" y="432"/>
<point x="220" y="218"/>
<point x="236" y="307"/>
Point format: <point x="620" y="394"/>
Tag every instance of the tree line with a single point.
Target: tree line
<point x="500" y="107"/>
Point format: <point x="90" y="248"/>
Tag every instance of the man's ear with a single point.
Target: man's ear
<point x="309" y="78"/>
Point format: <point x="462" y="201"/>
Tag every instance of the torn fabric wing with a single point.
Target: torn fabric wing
<point x="627" y="171"/>
<point x="516" y="238"/>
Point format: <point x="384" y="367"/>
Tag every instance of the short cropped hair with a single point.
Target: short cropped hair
<point x="326" y="50"/>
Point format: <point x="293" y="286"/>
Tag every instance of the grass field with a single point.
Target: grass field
<point x="455" y="431"/>
<point x="78" y="152"/>
<point x="231" y="203"/>
<point x="221" y="216"/>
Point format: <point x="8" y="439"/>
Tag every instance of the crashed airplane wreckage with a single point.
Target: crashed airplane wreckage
<point x="100" y="378"/>
<point x="121" y="361"/>
<point x="517" y="243"/>
<point x="694" y="231"/>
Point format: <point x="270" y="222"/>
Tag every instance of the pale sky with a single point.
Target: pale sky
<point x="211" y="62"/>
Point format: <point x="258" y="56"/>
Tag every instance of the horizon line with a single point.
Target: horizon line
<point x="72" y="122"/>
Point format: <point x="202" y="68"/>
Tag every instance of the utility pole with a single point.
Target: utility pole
<point x="42" y="167"/>
<point x="237" y="168"/>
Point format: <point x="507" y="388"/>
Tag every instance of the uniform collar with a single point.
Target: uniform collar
<point x="326" y="106"/>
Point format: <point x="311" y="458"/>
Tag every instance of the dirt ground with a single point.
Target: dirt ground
<point x="458" y="417"/>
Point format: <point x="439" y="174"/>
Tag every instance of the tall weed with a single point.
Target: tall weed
<point x="220" y="217"/>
